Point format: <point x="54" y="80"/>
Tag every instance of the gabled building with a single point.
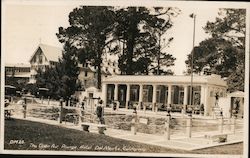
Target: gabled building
<point x="44" y="56"/>
<point x="47" y="56"/>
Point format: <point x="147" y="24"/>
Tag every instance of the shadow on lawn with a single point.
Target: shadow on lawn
<point x="28" y="135"/>
<point x="39" y="136"/>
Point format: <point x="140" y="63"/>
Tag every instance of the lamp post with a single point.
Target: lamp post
<point x="192" y="60"/>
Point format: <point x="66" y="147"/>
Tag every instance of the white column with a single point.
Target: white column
<point x="241" y="112"/>
<point x="104" y="94"/>
<point x="169" y="94"/>
<point x="185" y="102"/>
<point x="185" y="99"/>
<point x="140" y="95"/>
<point x="127" y="95"/>
<point x="116" y="92"/>
<point x="202" y="94"/>
<point x="154" y="98"/>
<point x="206" y="94"/>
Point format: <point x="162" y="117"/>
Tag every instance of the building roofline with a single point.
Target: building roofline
<point x="175" y="79"/>
<point x="46" y="45"/>
<point x="24" y="65"/>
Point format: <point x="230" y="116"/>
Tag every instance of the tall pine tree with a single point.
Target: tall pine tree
<point x="89" y="31"/>
<point x="139" y="29"/>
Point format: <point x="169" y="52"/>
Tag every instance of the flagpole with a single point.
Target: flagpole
<point x="192" y="60"/>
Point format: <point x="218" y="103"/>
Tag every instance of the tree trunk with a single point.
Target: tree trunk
<point x="99" y="72"/>
<point x="99" y="76"/>
<point x="131" y="43"/>
<point x="130" y="55"/>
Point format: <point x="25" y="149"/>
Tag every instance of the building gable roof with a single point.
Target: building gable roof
<point x="51" y="53"/>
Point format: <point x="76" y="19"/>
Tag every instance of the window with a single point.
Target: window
<point x="122" y="95"/>
<point x="134" y="95"/>
<point x="181" y="97"/>
<point x="145" y="95"/>
<point x="40" y="59"/>
<point x="196" y="98"/>
<point x="86" y="73"/>
<point x="158" y="96"/>
<point x="114" y="70"/>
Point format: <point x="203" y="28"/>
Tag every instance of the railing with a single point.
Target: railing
<point x="166" y="125"/>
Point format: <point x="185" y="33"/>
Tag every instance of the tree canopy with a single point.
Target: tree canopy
<point x="96" y="31"/>
<point x="140" y="30"/>
<point x="224" y="52"/>
<point x="61" y="80"/>
<point x="132" y="33"/>
<point x="89" y="32"/>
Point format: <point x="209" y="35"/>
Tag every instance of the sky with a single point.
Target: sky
<point x="25" y="25"/>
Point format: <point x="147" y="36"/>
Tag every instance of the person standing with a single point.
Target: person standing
<point x="216" y="99"/>
<point x="100" y="112"/>
<point x="82" y="111"/>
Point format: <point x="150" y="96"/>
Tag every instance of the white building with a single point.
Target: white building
<point x="17" y="70"/>
<point x="155" y="92"/>
<point x="47" y="56"/>
<point x="44" y="56"/>
<point x="88" y="73"/>
<point x="230" y="103"/>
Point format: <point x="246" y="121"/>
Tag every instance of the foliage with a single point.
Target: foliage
<point x="89" y="31"/>
<point x="236" y="79"/>
<point x="140" y="29"/>
<point x="224" y="52"/>
<point x="31" y="88"/>
<point x="61" y="80"/>
<point x="69" y="71"/>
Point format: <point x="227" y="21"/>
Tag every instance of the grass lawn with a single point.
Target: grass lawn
<point x="233" y="149"/>
<point x="27" y="135"/>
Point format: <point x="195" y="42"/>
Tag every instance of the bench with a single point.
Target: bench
<point x="217" y="137"/>
<point x="101" y="127"/>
